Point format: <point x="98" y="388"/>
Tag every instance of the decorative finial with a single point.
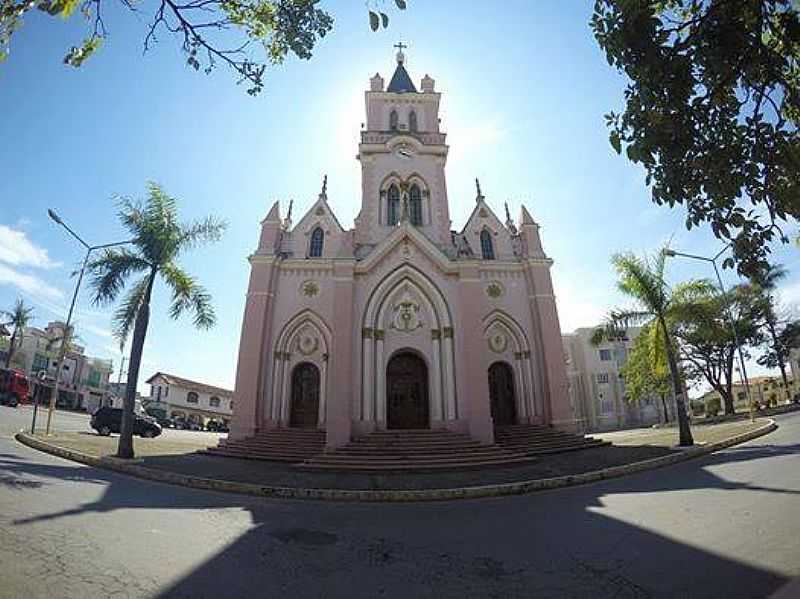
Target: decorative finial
<point x="400" y="56"/>
<point x="510" y="223"/>
<point x="287" y="222"/>
<point x="324" y="192"/>
<point x="479" y="197"/>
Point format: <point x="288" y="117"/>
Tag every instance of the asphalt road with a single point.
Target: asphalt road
<point x="724" y="526"/>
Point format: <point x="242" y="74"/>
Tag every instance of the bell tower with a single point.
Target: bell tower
<point x="403" y="155"/>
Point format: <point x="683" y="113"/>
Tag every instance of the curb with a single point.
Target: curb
<point x="404" y="495"/>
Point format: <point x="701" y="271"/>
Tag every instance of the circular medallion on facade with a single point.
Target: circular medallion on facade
<point x="498" y="342"/>
<point x="482" y="213"/>
<point x="495" y="289"/>
<point x="307" y="344"/>
<point x="319" y="211"/>
<point x="309" y="288"/>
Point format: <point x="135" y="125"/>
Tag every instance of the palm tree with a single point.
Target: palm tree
<point x="158" y="239"/>
<point x="766" y="282"/>
<point x="656" y="305"/>
<point x="19" y="317"/>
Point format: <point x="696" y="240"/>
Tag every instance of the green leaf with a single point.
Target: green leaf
<point x="385" y="20"/>
<point x="374" y="21"/>
<point x="615" y="143"/>
<point x="401" y="4"/>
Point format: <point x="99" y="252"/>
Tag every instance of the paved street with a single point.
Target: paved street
<point x="727" y="525"/>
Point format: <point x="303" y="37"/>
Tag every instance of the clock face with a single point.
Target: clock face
<point x="404" y="152"/>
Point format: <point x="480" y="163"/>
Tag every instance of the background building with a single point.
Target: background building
<point x="175" y="397"/>
<point x="83" y="381"/>
<point x="766" y="391"/>
<point x="597" y="388"/>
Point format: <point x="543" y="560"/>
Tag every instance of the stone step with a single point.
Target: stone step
<point x="417" y="466"/>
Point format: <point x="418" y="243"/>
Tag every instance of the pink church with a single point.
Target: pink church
<point x="400" y="322"/>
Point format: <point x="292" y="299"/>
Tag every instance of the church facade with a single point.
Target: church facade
<point x="400" y="322"/>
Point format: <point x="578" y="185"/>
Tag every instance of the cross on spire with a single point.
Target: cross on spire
<point x="324" y="192"/>
<point x="479" y="197"/>
<point x="400" y="56"/>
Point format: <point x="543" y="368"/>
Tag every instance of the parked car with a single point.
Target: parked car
<point x="109" y="420"/>
<point x="13" y="387"/>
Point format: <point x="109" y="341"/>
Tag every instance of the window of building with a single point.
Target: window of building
<point x="191" y="397"/>
<point x="487" y="248"/>
<point x="158" y="393"/>
<point x="231" y="404"/>
<point x="214" y="402"/>
<point x="393" y="120"/>
<point x="317" y="241"/>
<point x="605" y="355"/>
<point x="601" y="377"/>
<point x="412" y="121"/>
<point x="39" y="362"/>
<point x="394" y="206"/>
<point x="94" y="378"/>
<point x="415" y="204"/>
<point x="166" y="390"/>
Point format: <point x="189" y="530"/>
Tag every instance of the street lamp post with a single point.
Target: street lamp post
<point x="670" y="253"/>
<point x="65" y="340"/>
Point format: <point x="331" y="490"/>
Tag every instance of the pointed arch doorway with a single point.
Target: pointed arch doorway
<point x="501" y="394"/>
<point x="305" y="396"/>
<point x="407" y="392"/>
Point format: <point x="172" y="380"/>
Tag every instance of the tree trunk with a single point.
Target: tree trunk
<point x="727" y="402"/>
<point x="125" y="447"/>
<point x="11" y="348"/>
<point x="684" y="432"/>
<point x="778" y="348"/>
<point x="664" y="405"/>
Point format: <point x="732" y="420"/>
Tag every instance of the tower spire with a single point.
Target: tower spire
<point x="324" y="192"/>
<point x="479" y="197"/>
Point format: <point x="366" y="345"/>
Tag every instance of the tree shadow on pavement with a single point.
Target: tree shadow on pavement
<point x="562" y="543"/>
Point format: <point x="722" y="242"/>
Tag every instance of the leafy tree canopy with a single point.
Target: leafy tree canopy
<point x="245" y="35"/>
<point x="712" y="108"/>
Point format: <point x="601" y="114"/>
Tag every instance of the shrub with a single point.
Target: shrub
<point x="713" y="406"/>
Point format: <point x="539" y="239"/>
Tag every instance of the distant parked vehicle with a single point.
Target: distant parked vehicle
<point x="13" y="387"/>
<point x="109" y="420"/>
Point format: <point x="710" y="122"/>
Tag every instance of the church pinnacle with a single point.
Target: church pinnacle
<point x="401" y="82"/>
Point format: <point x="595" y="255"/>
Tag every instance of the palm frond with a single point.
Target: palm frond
<point x="187" y="294"/>
<point x="640" y="282"/>
<point x="111" y="270"/>
<point x="207" y="230"/>
<point x="616" y="324"/>
<point x="125" y="315"/>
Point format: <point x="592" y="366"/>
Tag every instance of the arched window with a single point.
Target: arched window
<point x="487" y="249"/>
<point x="317" y="241"/>
<point x="393" y="205"/>
<point x="191" y="397"/>
<point x="214" y="402"/>
<point x="415" y="204"/>
<point x="393" y="120"/>
<point x="412" y="121"/>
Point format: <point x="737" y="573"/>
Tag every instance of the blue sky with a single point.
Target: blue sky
<point x="524" y="93"/>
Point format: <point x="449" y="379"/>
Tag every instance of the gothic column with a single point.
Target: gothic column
<point x="449" y="374"/>
<point x="277" y="382"/>
<point x="286" y="388"/>
<point x="380" y="379"/>
<point x="323" y="392"/>
<point x="436" y="376"/>
<point x="367" y="383"/>
<point x="522" y="394"/>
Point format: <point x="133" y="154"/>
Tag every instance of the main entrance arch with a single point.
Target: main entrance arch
<point x="305" y="396"/>
<point x="407" y="392"/>
<point x="501" y="394"/>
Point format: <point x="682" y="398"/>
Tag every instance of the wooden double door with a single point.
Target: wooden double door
<point x="407" y="392"/>
<point x="501" y="394"/>
<point x="304" y="410"/>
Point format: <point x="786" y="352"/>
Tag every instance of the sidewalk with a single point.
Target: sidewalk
<point x="281" y="480"/>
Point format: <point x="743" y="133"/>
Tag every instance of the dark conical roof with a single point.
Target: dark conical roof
<point x="401" y="82"/>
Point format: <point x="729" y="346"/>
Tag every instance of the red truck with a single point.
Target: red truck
<point x="13" y="387"/>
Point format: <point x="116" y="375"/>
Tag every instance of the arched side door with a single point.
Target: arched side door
<point x="501" y="394"/>
<point x="304" y="409"/>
